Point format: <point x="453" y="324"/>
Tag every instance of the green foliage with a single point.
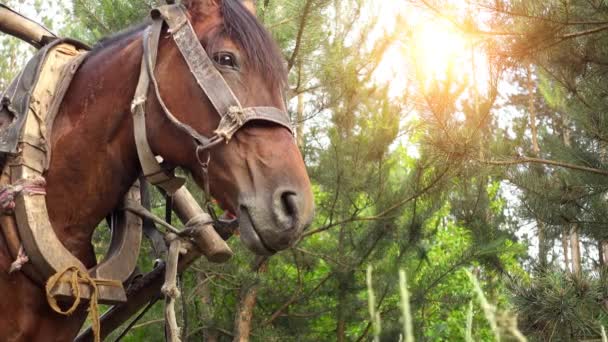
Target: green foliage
<point x="554" y="305"/>
<point x="438" y="215"/>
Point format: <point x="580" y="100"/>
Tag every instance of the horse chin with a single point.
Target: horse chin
<point x="250" y="236"/>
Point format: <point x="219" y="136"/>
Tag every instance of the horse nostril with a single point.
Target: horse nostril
<point x="286" y="208"/>
<point x="290" y="205"/>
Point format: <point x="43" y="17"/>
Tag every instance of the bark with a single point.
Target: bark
<point x="342" y="286"/>
<point x="576" y="252"/>
<point x="604" y="253"/>
<point x="210" y="334"/>
<point x="532" y="111"/>
<point x="603" y="243"/>
<point x="574" y="238"/>
<point x="543" y="244"/>
<point x="341" y="325"/>
<point x="244" y="314"/>
<point x="248" y="299"/>
<point x="566" y="249"/>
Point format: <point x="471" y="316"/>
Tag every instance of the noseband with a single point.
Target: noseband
<point x="232" y="115"/>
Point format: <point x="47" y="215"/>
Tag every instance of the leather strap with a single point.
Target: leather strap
<point x="151" y="168"/>
<point x="232" y="115"/>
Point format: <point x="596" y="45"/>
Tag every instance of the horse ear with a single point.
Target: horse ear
<point x="250" y="5"/>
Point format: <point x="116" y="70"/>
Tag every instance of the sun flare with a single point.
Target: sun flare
<point x="430" y="51"/>
<point x="437" y="50"/>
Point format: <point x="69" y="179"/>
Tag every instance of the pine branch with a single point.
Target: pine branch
<point x="585" y="32"/>
<point x="528" y="160"/>
<point x="294" y="299"/>
<point x="533" y="17"/>
<point x="303" y="20"/>
<point x="383" y="214"/>
<point x="464" y="29"/>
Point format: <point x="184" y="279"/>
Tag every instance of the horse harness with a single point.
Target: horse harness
<point x="232" y="114"/>
<point x="27" y="164"/>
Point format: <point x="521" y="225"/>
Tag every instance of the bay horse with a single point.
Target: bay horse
<point x="259" y="175"/>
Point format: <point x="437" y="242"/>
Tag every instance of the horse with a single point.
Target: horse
<point x="259" y="175"/>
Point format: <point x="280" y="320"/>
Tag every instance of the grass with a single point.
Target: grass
<point x="502" y="323"/>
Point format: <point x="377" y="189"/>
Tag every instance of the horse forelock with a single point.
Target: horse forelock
<point x="244" y="29"/>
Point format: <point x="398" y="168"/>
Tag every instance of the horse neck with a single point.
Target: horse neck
<point x="94" y="159"/>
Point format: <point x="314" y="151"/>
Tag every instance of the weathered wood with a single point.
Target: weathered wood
<point x="46" y="252"/>
<point x="145" y="290"/>
<point x="121" y="258"/>
<point x="170" y="289"/>
<point x="205" y="237"/>
<point x="148" y="288"/>
<point x="23" y="28"/>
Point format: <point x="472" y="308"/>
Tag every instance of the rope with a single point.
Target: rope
<point x="21" y="260"/>
<point x="8" y="193"/>
<point x="28" y="186"/>
<point x="76" y="278"/>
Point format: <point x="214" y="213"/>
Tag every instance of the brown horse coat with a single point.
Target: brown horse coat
<point x="259" y="175"/>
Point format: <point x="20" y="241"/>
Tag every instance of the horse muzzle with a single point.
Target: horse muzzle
<point x="268" y="226"/>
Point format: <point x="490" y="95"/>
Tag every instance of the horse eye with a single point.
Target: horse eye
<point x="225" y="59"/>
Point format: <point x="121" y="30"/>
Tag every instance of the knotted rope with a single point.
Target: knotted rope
<point x="169" y="288"/>
<point x="74" y="279"/>
<point x="29" y="186"/>
<point x="8" y="193"/>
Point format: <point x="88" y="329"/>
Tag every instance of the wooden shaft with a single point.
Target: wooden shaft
<point x="145" y="290"/>
<point x="205" y="237"/>
<point x="171" y="291"/>
<point x="23" y="28"/>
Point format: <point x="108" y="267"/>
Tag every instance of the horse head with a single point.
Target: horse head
<point x="258" y="174"/>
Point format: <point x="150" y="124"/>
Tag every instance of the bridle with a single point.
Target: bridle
<point x="232" y="115"/>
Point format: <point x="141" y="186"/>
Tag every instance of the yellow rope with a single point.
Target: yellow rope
<point x="76" y="278"/>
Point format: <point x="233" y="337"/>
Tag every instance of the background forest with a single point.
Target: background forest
<point x="443" y="137"/>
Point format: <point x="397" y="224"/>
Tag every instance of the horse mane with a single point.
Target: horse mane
<point x="118" y="37"/>
<point x="240" y="26"/>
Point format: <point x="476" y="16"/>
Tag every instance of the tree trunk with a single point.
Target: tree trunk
<point x="603" y="243"/>
<point x="604" y="253"/>
<point x="341" y="326"/>
<point x="244" y="314"/>
<point x="576" y="252"/>
<point x="342" y="287"/>
<point x="574" y="238"/>
<point x="543" y="243"/>
<point x="565" y="242"/>
<point x="210" y="334"/>
<point x="248" y="299"/>
<point x="532" y="111"/>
